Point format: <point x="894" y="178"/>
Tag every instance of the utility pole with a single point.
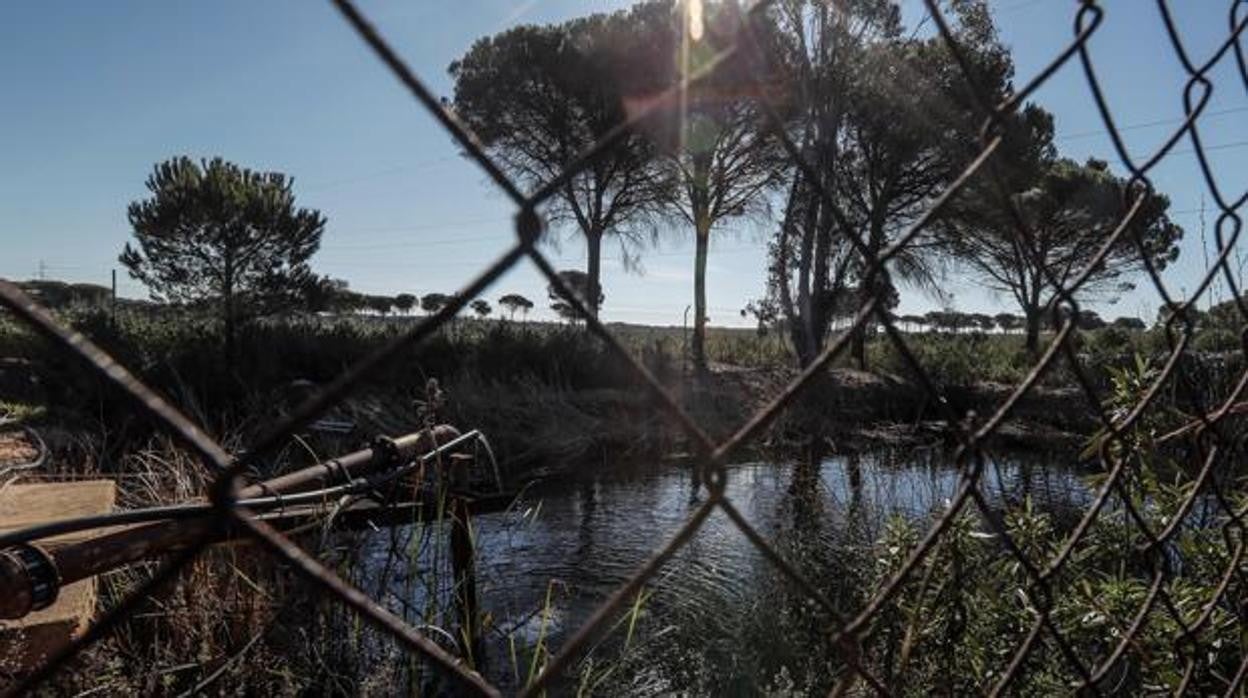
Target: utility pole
<point x="113" y="307"/>
<point x="43" y="268"/>
<point x="1215" y="291"/>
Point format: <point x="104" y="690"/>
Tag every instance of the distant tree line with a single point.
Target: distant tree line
<point x="1008" y="323"/>
<point x="329" y="295"/>
<point x="956" y="322"/>
<point x="61" y="294"/>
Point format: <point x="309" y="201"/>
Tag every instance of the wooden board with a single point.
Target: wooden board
<point x="26" y="642"/>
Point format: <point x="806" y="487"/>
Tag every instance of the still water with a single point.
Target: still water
<point x="717" y="618"/>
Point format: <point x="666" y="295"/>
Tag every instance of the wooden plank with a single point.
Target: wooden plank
<point x="24" y="643"/>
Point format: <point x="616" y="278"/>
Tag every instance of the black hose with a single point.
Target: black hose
<point x="180" y="512"/>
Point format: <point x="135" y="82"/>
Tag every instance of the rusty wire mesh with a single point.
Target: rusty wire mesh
<point x="1216" y="440"/>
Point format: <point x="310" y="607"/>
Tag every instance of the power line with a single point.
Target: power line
<point x="417" y="228"/>
<point x="412" y="243"/>
<point x="1207" y="148"/>
<point x="562" y="257"/>
<point x="376" y="174"/>
<point x="1022" y="4"/>
<point x="1147" y="124"/>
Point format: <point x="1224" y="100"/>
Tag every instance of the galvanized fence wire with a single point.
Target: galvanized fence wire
<point x="1217" y="442"/>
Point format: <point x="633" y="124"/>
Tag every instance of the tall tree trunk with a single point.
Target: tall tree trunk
<point x="869" y="288"/>
<point x="1033" y="317"/>
<point x="859" y="346"/>
<point x="807" y="292"/>
<point x="230" y="312"/>
<point x="794" y="318"/>
<point x="702" y="245"/>
<point x="823" y="295"/>
<point x="593" y="247"/>
<point x="859" y="338"/>
<point x="1033" y="313"/>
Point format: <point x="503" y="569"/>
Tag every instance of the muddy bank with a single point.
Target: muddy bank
<point x="539" y="429"/>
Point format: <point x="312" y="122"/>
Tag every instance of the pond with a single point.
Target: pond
<point x="718" y="617"/>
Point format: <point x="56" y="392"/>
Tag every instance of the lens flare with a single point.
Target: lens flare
<point x="695" y="20"/>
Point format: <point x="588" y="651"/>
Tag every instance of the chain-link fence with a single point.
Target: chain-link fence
<point x="1213" y="434"/>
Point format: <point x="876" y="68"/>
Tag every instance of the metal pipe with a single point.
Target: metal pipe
<point x="27" y="570"/>
<point x="384" y="453"/>
<point x="196" y="510"/>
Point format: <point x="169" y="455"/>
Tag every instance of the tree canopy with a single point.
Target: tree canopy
<point x="324" y="294"/>
<point x="404" y="302"/>
<point x="564" y="310"/>
<point x="577" y="282"/>
<point x="433" y="302"/>
<point x="537" y="97"/>
<point x="514" y="302"/>
<point x="884" y="122"/>
<point x="379" y="304"/>
<point x="1046" y="235"/>
<point x="214" y="232"/>
<point x="711" y="137"/>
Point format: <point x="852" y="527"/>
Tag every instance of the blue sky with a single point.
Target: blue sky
<point x="95" y="93"/>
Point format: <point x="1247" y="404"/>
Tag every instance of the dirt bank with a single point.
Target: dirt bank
<point x="545" y="429"/>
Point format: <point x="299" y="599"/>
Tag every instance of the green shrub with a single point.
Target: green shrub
<point x="956" y="360"/>
<point x="969" y="604"/>
<point x="1216" y="339"/>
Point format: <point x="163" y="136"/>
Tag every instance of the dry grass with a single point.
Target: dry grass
<point x="237" y="622"/>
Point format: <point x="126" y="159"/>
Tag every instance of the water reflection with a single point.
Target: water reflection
<point x="821" y="511"/>
<point x="721" y="618"/>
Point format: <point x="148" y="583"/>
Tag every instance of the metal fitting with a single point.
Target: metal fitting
<point x="28" y="581"/>
<point x="386" y="450"/>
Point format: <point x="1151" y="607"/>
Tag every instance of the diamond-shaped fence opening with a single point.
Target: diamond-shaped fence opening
<point x="1064" y="629"/>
